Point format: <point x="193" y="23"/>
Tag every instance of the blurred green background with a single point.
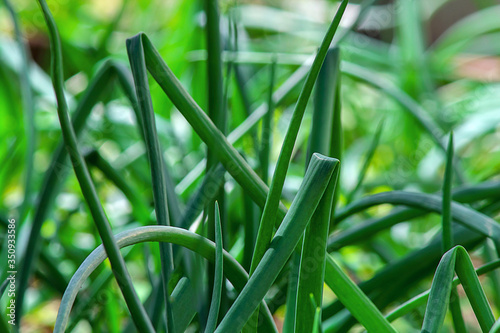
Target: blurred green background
<point x="444" y="56"/>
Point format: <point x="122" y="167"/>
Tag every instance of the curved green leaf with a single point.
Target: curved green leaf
<point x="415" y="110"/>
<point x="354" y="299"/>
<point x="311" y="270"/>
<point x="370" y="227"/>
<point x="117" y="263"/>
<point x="199" y="244"/>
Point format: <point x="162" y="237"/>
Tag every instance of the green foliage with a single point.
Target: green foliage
<point x="140" y="195"/>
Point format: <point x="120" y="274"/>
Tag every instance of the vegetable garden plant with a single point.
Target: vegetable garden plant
<point x="267" y="228"/>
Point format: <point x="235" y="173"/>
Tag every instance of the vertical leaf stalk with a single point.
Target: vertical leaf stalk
<point x="118" y="267"/>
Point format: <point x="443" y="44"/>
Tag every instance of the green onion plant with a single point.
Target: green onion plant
<point x="223" y="173"/>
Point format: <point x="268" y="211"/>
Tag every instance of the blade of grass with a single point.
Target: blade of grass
<point x="456" y="259"/>
<point x="365" y="6"/>
<point x="252" y="219"/>
<point x="322" y="137"/>
<point x="490" y="254"/>
<point x="205" y="193"/>
<point x="217" y="113"/>
<point x="56" y="278"/>
<point x="213" y="314"/>
<point x="291" y="292"/>
<point x="203" y="126"/>
<point x="388" y="294"/>
<point x="126" y="84"/>
<point x="241" y="79"/>
<point x="456" y="37"/>
<point x="174" y="205"/>
<point x="368" y="158"/>
<point x="365" y="230"/>
<point x="446" y="210"/>
<point x="447" y="233"/>
<point x="199" y="244"/>
<point x="140" y="208"/>
<point x="9" y="161"/>
<point x="411" y="264"/>
<point x="361" y="307"/>
<point x="468" y="217"/>
<point x="312" y="260"/>
<point x="266" y="135"/>
<point x="409" y="104"/>
<point x="317" y="315"/>
<point x="279" y="96"/>
<point x="268" y="219"/>
<point x="465" y="194"/>
<point x="400" y="96"/>
<point x="29" y="112"/>
<point x="473" y="289"/>
<point x="183" y="307"/>
<point x="156" y="164"/>
<point x="117" y="263"/>
<point x="317" y="321"/>
<point x="422" y="298"/>
<point x="315" y="182"/>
